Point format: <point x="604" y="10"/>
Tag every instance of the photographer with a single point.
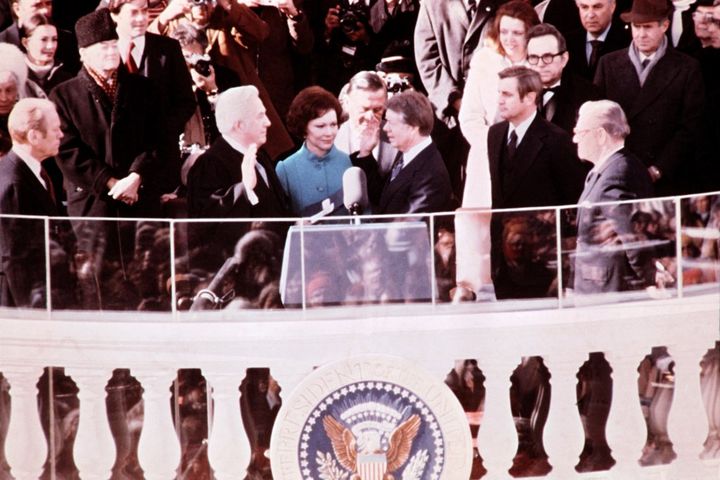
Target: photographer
<point x="229" y="27"/>
<point x="209" y="80"/>
<point x="348" y="45"/>
<point x="286" y="48"/>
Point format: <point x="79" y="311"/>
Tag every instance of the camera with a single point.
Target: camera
<point x="200" y="63"/>
<point x="397" y="83"/>
<point x="350" y="16"/>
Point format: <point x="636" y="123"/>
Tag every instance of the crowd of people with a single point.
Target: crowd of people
<point x="243" y="110"/>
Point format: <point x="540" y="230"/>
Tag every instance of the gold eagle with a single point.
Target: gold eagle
<point x="345" y="445"/>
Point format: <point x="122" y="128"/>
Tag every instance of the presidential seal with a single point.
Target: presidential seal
<point x="371" y="418"/>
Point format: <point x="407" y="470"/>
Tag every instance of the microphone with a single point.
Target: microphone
<point x="207" y="299"/>
<point x="355" y="197"/>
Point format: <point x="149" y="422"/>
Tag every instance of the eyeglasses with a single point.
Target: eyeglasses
<point x="706" y="17"/>
<point x="581" y="132"/>
<point x="547" y="58"/>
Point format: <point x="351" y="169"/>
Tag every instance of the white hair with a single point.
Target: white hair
<point x="609" y="115"/>
<point x="13" y="61"/>
<point x="232" y="105"/>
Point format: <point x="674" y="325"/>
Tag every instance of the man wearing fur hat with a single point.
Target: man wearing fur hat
<point x="108" y="158"/>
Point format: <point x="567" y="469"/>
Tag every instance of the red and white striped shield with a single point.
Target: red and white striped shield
<point x="371" y="467"/>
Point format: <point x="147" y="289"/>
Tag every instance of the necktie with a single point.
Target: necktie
<point x="472" y="6"/>
<point x="594" y="54"/>
<point x="129" y="60"/>
<point x="512" y="145"/>
<point x="644" y="64"/>
<point x="48" y="184"/>
<point x="397" y="166"/>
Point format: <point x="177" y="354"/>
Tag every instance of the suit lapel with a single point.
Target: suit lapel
<point x="29" y="181"/>
<point x="495" y="151"/>
<point x="662" y="74"/>
<point x="403" y="178"/>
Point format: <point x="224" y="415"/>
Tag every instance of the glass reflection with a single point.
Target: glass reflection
<point x="701" y="239"/>
<point x="124" y="266"/>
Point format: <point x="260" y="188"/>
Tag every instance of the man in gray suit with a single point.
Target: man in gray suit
<point x="606" y="259"/>
<point x="446" y="36"/>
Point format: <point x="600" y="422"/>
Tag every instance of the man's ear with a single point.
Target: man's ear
<point x="15" y="5"/>
<point x="530" y="98"/>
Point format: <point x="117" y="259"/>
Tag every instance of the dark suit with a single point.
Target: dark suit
<point x="22" y="241"/>
<point x="601" y="265"/>
<point x="103" y="140"/>
<point x="618" y="37"/>
<point x="563" y="15"/>
<point x="421" y="186"/>
<point x="563" y="106"/>
<point x="67" y="49"/>
<point x="664" y="114"/>
<point x="215" y="188"/>
<point x="163" y="63"/>
<point x="445" y="40"/>
<point x="544" y="171"/>
<point x="688" y="42"/>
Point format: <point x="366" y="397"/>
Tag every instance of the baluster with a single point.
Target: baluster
<point x="159" y="449"/>
<point x="229" y="448"/>
<point x="26" y="448"/>
<point x="564" y="436"/>
<point x="688" y="421"/>
<point x="626" y="431"/>
<point x="94" y="446"/>
<point x="497" y="438"/>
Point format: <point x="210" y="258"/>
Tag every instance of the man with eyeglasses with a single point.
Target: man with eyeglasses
<point x="563" y="91"/>
<point x="663" y="94"/>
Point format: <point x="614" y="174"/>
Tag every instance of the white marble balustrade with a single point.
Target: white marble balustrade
<point x="432" y="337"/>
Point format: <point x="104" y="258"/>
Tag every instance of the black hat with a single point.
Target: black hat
<point x="644" y="11"/>
<point x="95" y="27"/>
<point x="398" y="57"/>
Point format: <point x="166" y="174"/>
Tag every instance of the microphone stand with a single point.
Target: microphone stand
<point x="355" y="210"/>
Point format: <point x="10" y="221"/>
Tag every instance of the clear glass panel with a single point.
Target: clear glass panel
<point x="380" y="261"/>
<point x="620" y="252"/>
<point x="125" y="413"/>
<point x="594" y="398"/>
<point x="656" y="387"/>
<point x="190" y="400"/>
<point x="260" y="402"/>
<point x="524" y="254"/>
<point x="59" y="408"/>
<point x="467" y="382"/>
<point x="23" y="281"/>
<point x="700" y="239"/>
<point x="229" y="264"/>
<point x="4" y="425"/>
<point x="110" y="265"/>
<point x="530" y="403"/>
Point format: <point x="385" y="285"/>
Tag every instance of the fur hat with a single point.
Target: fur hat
<point x="95" y="27"/>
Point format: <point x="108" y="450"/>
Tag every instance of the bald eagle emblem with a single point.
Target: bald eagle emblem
<point x="364" y="455"/>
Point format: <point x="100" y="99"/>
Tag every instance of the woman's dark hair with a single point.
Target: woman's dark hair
<point x="32" y="23"/>
<point x="309" y="104"/>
